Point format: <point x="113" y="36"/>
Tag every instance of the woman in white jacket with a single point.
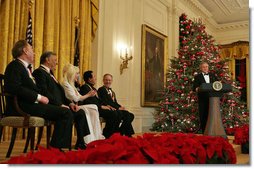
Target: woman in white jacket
<point x="70" y="76"/>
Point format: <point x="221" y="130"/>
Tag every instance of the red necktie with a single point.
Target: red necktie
<point x="53" y="77"/>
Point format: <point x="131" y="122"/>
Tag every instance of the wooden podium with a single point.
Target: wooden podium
<point x="214" y="126"/>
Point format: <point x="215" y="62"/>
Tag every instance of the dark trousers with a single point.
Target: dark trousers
<point x="126" y="126"/>
<point x="81" y="125"/>
<point x="112" y="119"/>
<point x="203" y="107"/>
<point x="63" y="118"/>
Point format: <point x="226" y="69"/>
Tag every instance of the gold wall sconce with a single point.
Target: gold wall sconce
<point x="125" y="58"/>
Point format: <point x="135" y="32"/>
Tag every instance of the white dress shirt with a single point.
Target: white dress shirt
<point x="30" y="75"/>
<point x="206" y="77"/>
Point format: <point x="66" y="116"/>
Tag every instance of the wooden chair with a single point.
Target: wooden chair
<point x="22" y="121"/>
<point x="102" y="120"/>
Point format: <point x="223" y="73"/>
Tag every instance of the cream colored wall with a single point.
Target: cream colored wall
<point x="120" y="21"/>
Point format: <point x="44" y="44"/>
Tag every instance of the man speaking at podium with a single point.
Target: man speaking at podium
<point x="203" y="97"/>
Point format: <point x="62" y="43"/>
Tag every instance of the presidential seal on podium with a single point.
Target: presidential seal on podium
<point x="217" y="85"/>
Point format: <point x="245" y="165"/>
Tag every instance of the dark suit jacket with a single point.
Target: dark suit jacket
<point x="49" y="87"/>
<point x="18" y="82"/>
<point x="84" y="89"/>
<point x="106" y="97"/>
<point x="199" y="79"/>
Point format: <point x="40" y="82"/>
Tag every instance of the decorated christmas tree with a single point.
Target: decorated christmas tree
<point x="178" y="110"/>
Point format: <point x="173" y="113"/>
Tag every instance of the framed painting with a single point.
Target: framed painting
<point x="154" y="56"/>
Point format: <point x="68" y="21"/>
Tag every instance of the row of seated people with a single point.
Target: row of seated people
<point x="40" y="94"/>
<point x="103" y="101"/>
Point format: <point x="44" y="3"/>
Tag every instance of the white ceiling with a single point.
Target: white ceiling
<point x="227" y="11"/>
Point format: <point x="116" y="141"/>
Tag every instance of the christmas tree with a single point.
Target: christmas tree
<point x="178" y="110"/>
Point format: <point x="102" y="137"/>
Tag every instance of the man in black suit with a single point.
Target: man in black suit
<point x="203" y="97"/>
<point x="112" y="117"/>
<point x="19" y="81"/>
<point x="53" y="90"/>
<point x="108" y="96"/>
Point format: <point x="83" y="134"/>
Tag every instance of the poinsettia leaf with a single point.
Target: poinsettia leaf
<point x="167" y="148"/>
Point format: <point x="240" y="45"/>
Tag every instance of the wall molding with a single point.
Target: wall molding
<point x="196" y="6"/>
<point x="233" y="26"/>
<point x="159" y="11"/>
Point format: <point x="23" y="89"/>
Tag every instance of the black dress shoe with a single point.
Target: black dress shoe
<point x="81" y="146"/>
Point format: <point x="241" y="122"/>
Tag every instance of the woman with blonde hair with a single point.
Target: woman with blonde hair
<point x="70" y="76"/>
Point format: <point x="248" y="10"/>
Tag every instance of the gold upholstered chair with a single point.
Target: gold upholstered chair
<point x="23" y="121"/>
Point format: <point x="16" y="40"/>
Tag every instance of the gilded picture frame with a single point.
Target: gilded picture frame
<point x="154" y="57"/>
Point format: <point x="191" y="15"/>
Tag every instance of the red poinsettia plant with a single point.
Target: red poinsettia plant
<point x="163" y="148"/>
<point x="241" y="134"/>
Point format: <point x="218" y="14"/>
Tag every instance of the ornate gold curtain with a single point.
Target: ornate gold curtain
<point x="94" y="15"/>
<point x="53" y="29"/>
<point x="237" y="50"/>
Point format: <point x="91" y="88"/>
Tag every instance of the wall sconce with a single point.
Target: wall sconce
<point x="125" y="58"/>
